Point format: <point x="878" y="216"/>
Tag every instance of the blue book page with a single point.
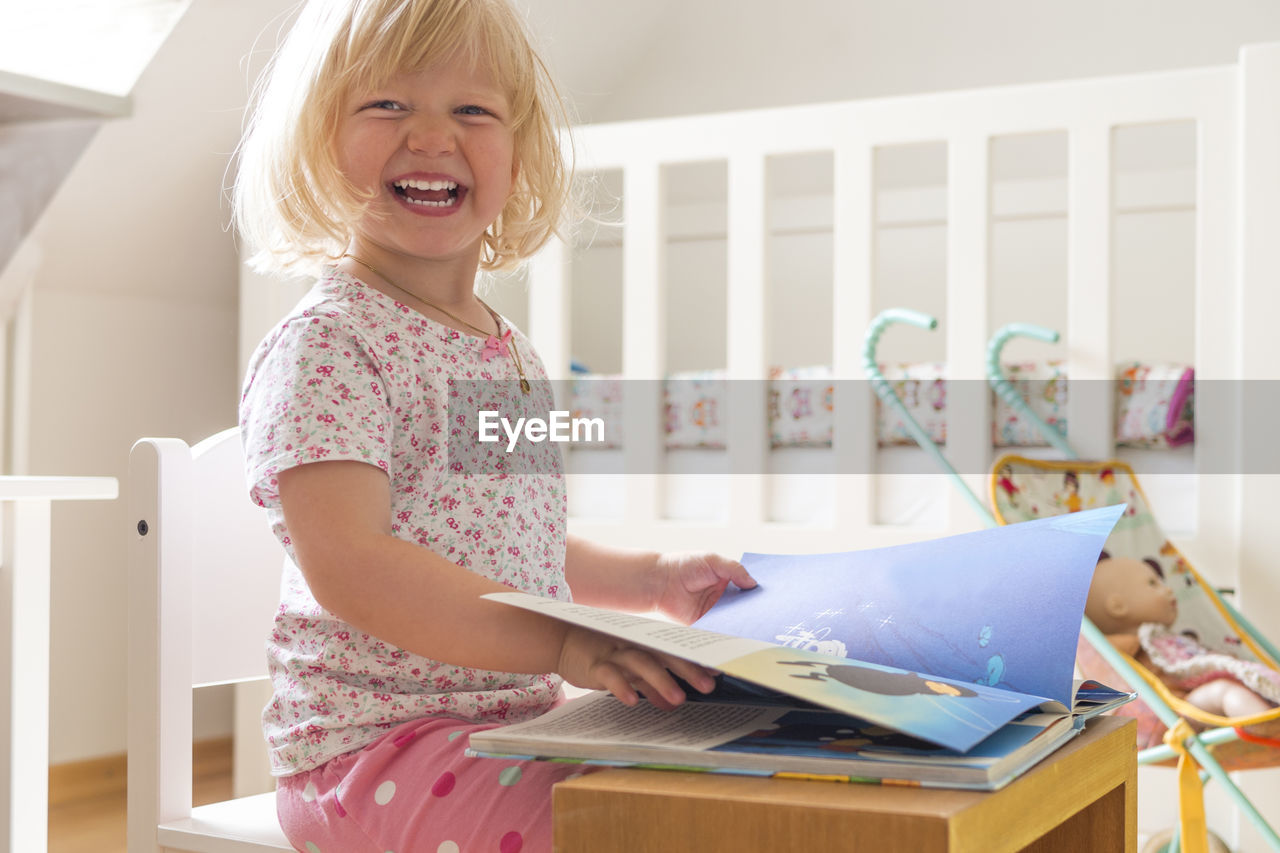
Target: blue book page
<point x="998" y="607"/>
<point x="946" y="712"/>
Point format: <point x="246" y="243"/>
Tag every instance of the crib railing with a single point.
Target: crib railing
<point x="1235" y="137"/>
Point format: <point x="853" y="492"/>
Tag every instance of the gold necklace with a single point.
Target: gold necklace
<point x="494" y="344"/>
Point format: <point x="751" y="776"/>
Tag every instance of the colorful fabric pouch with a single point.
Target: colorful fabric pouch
<point x="695" y="409"/>
<point x="800" y="406"/>
<point x="599" y="396"/>
<point x="922" y="388"/>
<point x="1044" y="386"/>
<point x="1154" y="405"/>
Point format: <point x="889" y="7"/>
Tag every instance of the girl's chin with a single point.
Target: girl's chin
<point x="411" y="250"/>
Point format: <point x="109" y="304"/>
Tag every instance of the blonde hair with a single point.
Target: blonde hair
<point x="293" y="205"/>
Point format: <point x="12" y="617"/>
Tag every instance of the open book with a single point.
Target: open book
<point x="953" y="664"/>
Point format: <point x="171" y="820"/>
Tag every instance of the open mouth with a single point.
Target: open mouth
<point x="440" y="193"/>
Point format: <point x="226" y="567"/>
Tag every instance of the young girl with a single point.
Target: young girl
<point x="397" y="147"/>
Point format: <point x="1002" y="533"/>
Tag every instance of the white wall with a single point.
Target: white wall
<point x="34" y="156"/>
<point x="716" y="55"/>
<point x="133" y="330"/>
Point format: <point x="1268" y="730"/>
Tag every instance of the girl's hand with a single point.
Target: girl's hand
<point x="690" y="582"/>
<point x="600" y="662"/>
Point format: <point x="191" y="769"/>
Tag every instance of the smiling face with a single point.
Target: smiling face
<point x="435" y="151"/>
<point x="309" y="167"/>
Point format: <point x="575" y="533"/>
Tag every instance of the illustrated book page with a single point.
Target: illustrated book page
<point x="946" y="641"/>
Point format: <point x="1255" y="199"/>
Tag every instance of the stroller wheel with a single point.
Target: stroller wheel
<point x="1159" y="843"/>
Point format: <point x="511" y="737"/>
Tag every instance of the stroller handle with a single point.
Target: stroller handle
<point x="871" y="366"/>
<point x="1001" y="385"/>
<point x="883" y="321"/>
<point x="885" y="392"/>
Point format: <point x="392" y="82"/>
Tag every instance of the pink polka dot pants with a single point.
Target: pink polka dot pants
<point x="413" y="791"/>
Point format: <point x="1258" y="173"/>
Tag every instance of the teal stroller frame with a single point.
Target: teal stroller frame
<point x="1195" y="743"/>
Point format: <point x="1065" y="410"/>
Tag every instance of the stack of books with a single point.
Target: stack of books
<point x="942" y="663"/>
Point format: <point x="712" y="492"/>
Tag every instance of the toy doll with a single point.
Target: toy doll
<point x="1071" y="488"/>
<point x="1130" y="603"/>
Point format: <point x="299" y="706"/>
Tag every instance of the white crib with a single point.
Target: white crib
<point x="1227" y="194"/>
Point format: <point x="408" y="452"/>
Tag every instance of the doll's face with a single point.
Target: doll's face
<point x="1127" y="593"/>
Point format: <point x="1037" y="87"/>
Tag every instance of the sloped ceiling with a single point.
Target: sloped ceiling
<point x="95" y="44"/>
<point x="593" y="46"/>
<point x="100" y="46"/>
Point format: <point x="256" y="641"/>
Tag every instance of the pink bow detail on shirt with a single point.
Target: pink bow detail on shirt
<point x="495" y="345"/>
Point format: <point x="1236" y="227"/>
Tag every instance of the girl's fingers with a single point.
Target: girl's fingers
<point x="627" y="671"/>
<point x="656" y="699"/>
<point x="616" y="682"/>
<point x="655" y="670"/>
<point x="699" y="677"/>
<point x="734" y="571"/>
<point x="627" y="679"/>
<point x="645" y="666"/>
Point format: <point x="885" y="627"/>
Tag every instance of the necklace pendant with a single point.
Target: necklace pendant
<point x="524" y="385"/>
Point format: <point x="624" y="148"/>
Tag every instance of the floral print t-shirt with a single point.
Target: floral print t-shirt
<point x="351" y="374"/>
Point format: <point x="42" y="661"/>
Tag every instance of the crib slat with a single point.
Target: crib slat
<point x="968" y="235"/>
<point x="643" y="336"/>
<point x="1260" y="255"/>
<point x="1216" y="543"/>
<point x="748" y="240"/>
<point x="1260" y="353"/>
<point x="853" y="430"/>
<point x="549" y="307"/>
<point x="643" y="272"/>
<point x="747" y="262"/>
<point x="1089" y="221"/>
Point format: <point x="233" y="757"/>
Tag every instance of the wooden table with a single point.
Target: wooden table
<point x="1081" y="798"/>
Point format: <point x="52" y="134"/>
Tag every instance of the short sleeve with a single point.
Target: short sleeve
<point x="313" y="393"/>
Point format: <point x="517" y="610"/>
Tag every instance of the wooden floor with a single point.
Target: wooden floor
<point x="91" y="818"/>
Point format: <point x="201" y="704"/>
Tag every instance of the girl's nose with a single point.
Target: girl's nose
<point x="432" y="137"/>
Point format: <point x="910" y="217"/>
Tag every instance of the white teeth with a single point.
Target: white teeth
<point x="447" y="203"/>
<point x="427" y="185"/>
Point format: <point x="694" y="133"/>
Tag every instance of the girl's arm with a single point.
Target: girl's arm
<point x="338" y="515"/>
<point x="681" y="585"/>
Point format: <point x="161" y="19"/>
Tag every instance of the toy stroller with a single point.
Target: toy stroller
<point x="1021" y="489"/>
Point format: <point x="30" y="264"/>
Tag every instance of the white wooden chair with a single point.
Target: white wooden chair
<point x="204" y="576"/>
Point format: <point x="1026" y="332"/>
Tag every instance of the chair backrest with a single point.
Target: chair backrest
<point x="204" y="579"/>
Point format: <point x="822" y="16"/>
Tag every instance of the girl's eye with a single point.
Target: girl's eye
<point x="384" y="105"/>
<point x="473" y="110"/>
